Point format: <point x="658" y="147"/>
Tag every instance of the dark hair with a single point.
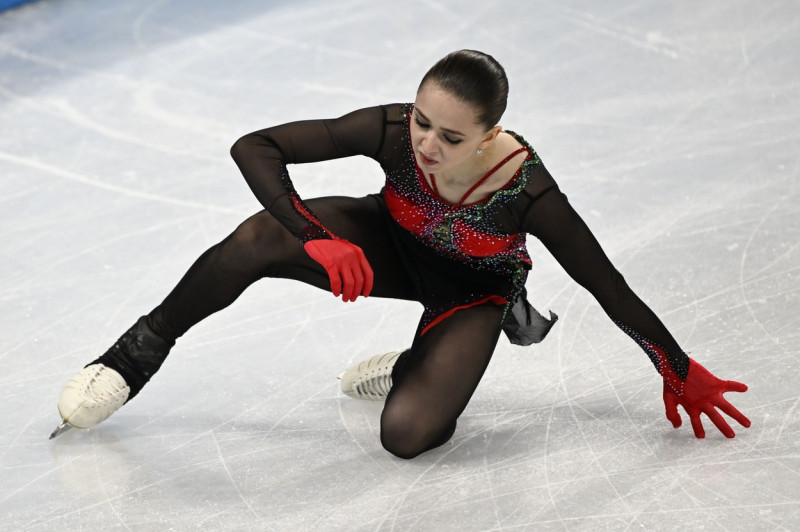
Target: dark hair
<point x="474" y="77"/>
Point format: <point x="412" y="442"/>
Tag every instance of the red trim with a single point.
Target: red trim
<point x="482" y="180"/>
<point x="666" y="371"/>
<point x="299" y="207"/>
<point x="497" y="300"/>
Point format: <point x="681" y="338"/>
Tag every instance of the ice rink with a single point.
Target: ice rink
<point x="674" y="127"/>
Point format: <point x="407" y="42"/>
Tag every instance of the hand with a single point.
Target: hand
<point x="348" y="269"/>
<point x="702" y="394"/>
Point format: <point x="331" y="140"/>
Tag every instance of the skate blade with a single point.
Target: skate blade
<point x="63" y="427"/>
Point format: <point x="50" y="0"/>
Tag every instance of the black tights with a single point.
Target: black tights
<point x="433" y="381"/>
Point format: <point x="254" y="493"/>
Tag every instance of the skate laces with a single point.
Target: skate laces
<point x="372" y="378"/>
<point x="91" y="396"/>
<point x="103" y="384"/>
<point x="373" y="386"/>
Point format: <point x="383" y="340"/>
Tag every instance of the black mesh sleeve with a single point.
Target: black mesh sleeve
<point x="262" y="157"/>
<point x="548" y="215"/>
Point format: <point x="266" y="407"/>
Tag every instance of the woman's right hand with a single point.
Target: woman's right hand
<point x="347" y="266"/>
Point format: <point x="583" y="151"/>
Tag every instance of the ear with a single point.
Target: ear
<point x="489" y="137"/>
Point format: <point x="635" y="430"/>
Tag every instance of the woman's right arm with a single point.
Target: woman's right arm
<point x="262" y="157"/>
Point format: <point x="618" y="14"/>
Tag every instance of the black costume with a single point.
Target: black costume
<point x="466" y="263"/>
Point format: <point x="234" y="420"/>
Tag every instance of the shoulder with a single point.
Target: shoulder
<point x="520" y="141"/>
<point x="395" y="112"/>
<point x="535" y="179"/>
<point x="535" y="175"/>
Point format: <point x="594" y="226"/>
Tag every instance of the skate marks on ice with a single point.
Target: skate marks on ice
<point x="672" y="130"/>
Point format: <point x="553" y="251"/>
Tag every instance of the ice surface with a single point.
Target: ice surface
<point x="672" y="126"/>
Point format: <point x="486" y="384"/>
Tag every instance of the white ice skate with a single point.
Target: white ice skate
<point x="90" y="397"/>
<point x="114" y="378"/>
<point x="370" y="379"/>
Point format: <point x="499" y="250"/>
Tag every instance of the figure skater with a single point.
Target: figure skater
<point x="447" y="230"/>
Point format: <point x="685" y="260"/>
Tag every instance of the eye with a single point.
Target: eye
<point x="447" y="139"/>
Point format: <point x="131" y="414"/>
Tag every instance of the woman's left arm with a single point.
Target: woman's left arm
<point x="548" y="215"/>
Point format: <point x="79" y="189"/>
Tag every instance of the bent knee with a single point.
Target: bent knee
<point x="408" y="438"/>
<point x="258" y="242"/>
<point x="259" y="230"/>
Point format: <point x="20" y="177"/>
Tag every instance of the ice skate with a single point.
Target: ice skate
<point x="112" y="380"/>
<point x="90" y="397"/>
<point x="370" y="379"/>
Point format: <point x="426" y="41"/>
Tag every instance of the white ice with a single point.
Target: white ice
<point x="672" y="126"/>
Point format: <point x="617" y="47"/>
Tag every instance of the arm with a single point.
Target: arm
<point x="549" y="216"/>
<point x="262" y="157"/>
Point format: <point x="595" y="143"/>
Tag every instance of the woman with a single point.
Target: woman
<point x="447" y="230"/>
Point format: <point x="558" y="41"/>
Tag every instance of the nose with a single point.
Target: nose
<point x="428" y="144"/>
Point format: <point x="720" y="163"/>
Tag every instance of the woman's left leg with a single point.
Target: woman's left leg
<point x="434" y="380"/>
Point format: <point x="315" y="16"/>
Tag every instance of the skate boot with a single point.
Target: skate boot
<point x="112" y="380"/>
<point x="370" y="379"/>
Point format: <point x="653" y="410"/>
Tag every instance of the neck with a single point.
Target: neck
<point x="467" y="172"/>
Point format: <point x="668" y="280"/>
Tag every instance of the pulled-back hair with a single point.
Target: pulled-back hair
<point x="475" y="78"/>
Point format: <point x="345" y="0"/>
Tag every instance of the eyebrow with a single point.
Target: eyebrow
<point x="452" y="131"/>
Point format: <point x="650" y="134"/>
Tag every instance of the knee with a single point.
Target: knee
<point x="407" y="436"/>
<point x="256" y="242"/>
<point x="256" y="231"/>
<point x="401" y="439"/>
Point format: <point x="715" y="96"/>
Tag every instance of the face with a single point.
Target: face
<point x="445" y="134"/>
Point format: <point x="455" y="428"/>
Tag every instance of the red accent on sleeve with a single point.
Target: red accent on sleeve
<point x="666" y="371"/>
<point x="308" y="215"/>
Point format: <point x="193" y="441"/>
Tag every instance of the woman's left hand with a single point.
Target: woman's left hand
<point x="702" y="394"/>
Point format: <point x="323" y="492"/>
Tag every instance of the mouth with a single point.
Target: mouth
<point x="427" y="161"/>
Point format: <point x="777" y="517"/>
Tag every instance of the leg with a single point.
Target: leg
<point x="261" y="247"/>
<point x="434" y="380"/>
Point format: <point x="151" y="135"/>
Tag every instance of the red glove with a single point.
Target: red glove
<point x="702" y="394"/>
<point x="347" y="267"/>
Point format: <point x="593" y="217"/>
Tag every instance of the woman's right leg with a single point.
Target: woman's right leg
<point x="259" y="247"/>
<point x="220" y="275"/>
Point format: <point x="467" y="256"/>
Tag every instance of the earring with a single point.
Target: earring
<point x="480" y="152"/>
